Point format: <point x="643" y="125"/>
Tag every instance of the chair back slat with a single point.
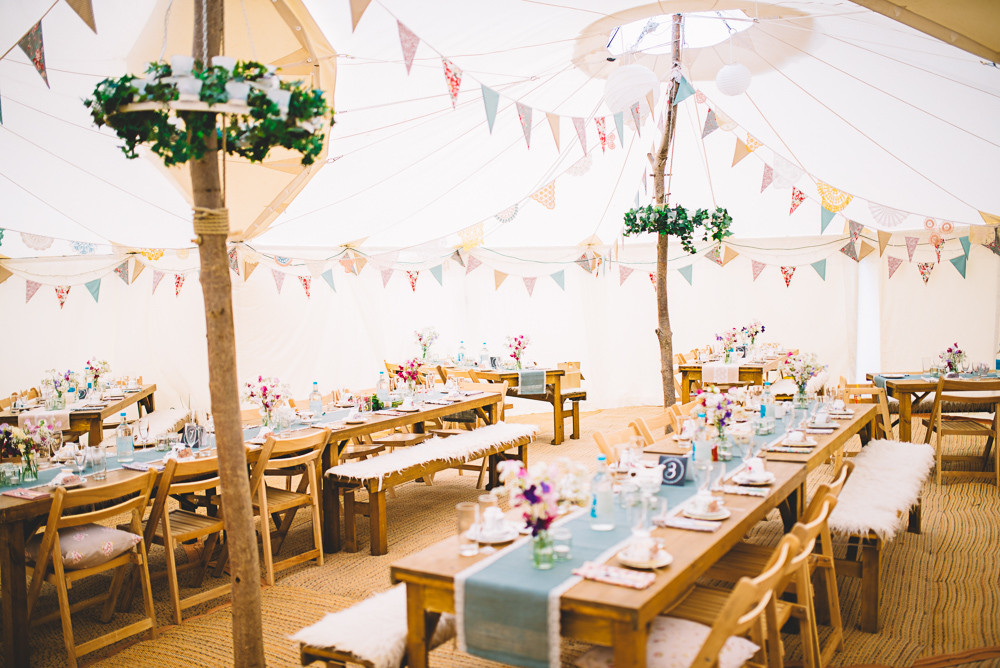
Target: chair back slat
<point x="650" y="428"/>
<point x="137" y="489"/>
<point x="606" y="442"/>
<point x="275" y="449"/>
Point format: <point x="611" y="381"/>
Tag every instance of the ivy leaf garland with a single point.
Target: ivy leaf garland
<point x="180" y="136"/>
<point x="675" y="221"/>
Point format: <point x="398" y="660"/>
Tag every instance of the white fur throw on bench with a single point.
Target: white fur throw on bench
<point x="373" y="630"/>
<point x="886" y="482"/>
<point x="457" y="449"/>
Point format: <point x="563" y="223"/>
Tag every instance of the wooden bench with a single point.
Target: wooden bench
<point x="574" y="396"/>
<point x="886" y="483"/>
<point x="371" y="633"/>
<point x="378" y="474"/>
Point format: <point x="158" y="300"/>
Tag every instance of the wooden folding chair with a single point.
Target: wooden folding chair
<point x="655" y="428"/>
<point x="52" y="566"/>
<point x="611" y="443"/>
<point x="977" y="395"/>
<point x="869" y="394"/>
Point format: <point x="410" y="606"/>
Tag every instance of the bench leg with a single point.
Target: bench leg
<point x="376" y="522"/>
<point x="576" y="420"/>
<point x="870" y="557"/>
<point x="350" y="522"/>
<point x="914" y="523"/>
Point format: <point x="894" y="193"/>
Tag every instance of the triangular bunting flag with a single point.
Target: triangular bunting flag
<point x="386" y="275"/>
<point x="358" y="8"/>
<point x="138" y="267"/>
<point x="757" y="268"/>
<point x="715" y="255"/>
<point x="960" y="262"/>
<point x="652" y="280"/>
<point x="911" y="246"/>
<point x="279" y="279"/>
<point x="413" y="276"/>
<point x="4" y="274"/>
<point x="315" y="267"/>
<point x="529" y="284"/>
<point x="850" y="250"/>
<point x="925" y="269"/>
<point x="498" y="278"/>
<point x="724" y="121"/>
<point x="728" y="255"/>
<point x="767" y="178"/>
<point x="34" y="48"/>
<point x="797" y="198"/>
<point x="787" y="273"/>
<point x="94" y="287"/>
<point x="524" y="115"/>
<point x="645" y="187"/>
<point x="122" y="271"/>
<point x="711" y="125"/>
<point x="752" y="143"/>
<point x="894" y="263"/>
<point x="234" y="261"/>
<point x="85" y="10"/>
<point x="989" y="218"/>
<point x="602" y="136"/>
<point x="457" y="257"/>
<point x="453" y="76"/>
<point x="740" y="152"/>
<point x="1" y="123"/>
<point x="687" y="272"/>
<point x="786" y="173"/>
<point x="938" y="244"/>
<point x="994" y="245"/>
<point x="306" y="282"/>
<point x="472" y="263"/>
<point x="30" y="288"/>
<point x="684" y="91"/>
<point x="585" y="263"/>
<point x="438" y="274"/>
<point x="855" y="229"/>
<point x="157" y="277"/>
<point x="178" y="284"/>
<point x="554" y="126"/>
<point x="820" y="267"/>
<point x="347" y="262"/>
<point x="620" y="126"/>
<point x="866" y="250"/>
<point x="623" y="273"/>
<point x="62" y="291"/>
<point x="826" y="217"/>
<point x="560" y="278"/>
<point x="359" y="263"/>
<point x="580" y="126"/>
<point x="409" y="42"/>
<point x="966" y="245"/>
<point x="883" y="241"/>
<point x="249" y="267"/>
<point x="546" y="196"/>
<point x="635" y="119"/>
<point x="328" y="277"/>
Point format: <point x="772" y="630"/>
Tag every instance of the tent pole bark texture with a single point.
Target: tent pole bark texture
<point x="241" y="537"/>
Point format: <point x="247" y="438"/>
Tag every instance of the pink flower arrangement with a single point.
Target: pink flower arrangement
<point x="98" y="368"/>
<point x="516" y="345"/>
<point x="268" y="392"/>
<point x="533" y="492"/>
<point x="800" y="368"/>
<point x="425" y="339"/>
<point x="752" y="331"/>
<point x="728" y="338"/>
<point x="409" y="370"/>
<point x="952" y="357"/>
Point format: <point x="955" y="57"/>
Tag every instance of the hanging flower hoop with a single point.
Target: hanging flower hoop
<point x="173" y="112"/>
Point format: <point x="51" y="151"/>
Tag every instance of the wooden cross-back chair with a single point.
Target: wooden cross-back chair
<point x="654" y="428"/>
<point x="976" y="395"/>
<point x="479" y="385"/>
<point x="610" y="443"/>
<point x="52" y="567"/>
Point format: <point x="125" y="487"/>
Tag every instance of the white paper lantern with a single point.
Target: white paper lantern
<point x="630" y="84"/>
<point x="733" y="79"/>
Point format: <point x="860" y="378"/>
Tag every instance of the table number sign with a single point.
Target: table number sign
<point x="674" y="469"/>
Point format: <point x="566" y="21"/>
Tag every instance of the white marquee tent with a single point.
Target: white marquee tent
<point x="870" y="120"/>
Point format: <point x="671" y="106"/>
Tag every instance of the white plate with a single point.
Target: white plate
<point x="355" y="421"/>
<point x="893" y="376"/>
<point x="663" y="558"/>
<point x="722" y="514"/>
<point x="411" y="409"/>
<point x="806" y="442"/>
<point x="69" y="486"/>
<point x="742" y="478"/>
<point x="505" y="536"/>
<point x="823" y="425"/>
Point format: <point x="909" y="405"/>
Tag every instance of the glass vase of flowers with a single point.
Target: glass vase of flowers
<point x="952" y="358"/>
<point x="533" y="492"/>
<point x="20" y="445"/>
<point x="268" y="394"/>
<point x="718" y="410"/>
<point x="97" y="368"/>
<point x="516" y="345"/>
<point x="801" y="368"/>
<point x="58" y="382"/>
<point x="750" y="332"/>
<point x="728" y="340"/>
<point x="409" y="373"/>
<point x="425" y="339"/>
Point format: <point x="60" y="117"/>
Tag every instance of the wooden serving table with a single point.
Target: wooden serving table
<point x="553" y="377"/>
<point x="591" y="611"/>
<point x="91" y="420"/>
<point x="752" y="372"/>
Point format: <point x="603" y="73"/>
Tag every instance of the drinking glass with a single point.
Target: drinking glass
<point x="638" y="514"/>
<point x="80" y="457"/>
<point x="468" y="518"/>
<point x="965" y="364"/>
<point x="925" y="363"/>
<point x="191" y="434"/>
<point x="703" y="474"/>
<point x="142" y="431"/>
<point x="100" y="463"/>
<point x="562" y="544"/>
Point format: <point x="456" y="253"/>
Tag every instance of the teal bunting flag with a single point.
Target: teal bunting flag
<point x="560" y="278"/>
<point x="94" y="287"/>
<point x="328" y="277"/>
<point x="688" y="273"/>
<point x="966" y="244"/>
<point x="490" y="99"/>
<point x="961" y="263"/>
<point x="620" y="124"/>
<point x="827" y="217"/>
<point x="684" y="91"/>
<point x="820" y="268"/>
<point x="438" y="272"/>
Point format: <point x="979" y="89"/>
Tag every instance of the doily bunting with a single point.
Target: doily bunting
<point x="833" y="199"/>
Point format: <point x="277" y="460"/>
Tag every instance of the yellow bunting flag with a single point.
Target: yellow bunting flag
<point x="741" y="151"/>
<point x="728" y="255"/>
<point x="137" y="268"/>
<point x="554" y="125"/>
<point x="4" y="274"/>
<point x="989" y="218"/>
<point x="883" y="241"/>
<point x="85" y="10"/>
<point x="866" y="249"/>
<point x="248" y="268"/>
<point x="546" y="196"/>
<point x="833" y="199"/>
<point x="498" y="278"/>
<point x="753" y="143"/>
<point x="471" y="236"/>
<point x="358" y="8"/>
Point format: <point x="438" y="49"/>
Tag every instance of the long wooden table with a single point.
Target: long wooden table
<point x="904" y="390"/>
<point x="752" y="372"/>
<point x="553" y="377"/>
<point x="91" y="420"/>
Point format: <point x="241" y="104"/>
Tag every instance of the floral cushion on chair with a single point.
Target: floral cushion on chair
<point x="86" y="545"/>
<point x="674" y="643"/>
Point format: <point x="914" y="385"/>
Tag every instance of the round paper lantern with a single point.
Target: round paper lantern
<point x="630" y="84"/>
<point x="733" y="79"/>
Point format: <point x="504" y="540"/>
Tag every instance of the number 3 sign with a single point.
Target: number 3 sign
<point x="674" y="469"/>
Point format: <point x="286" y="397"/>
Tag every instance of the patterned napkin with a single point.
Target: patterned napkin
<point x="614" y="575"/>
<point x="677" y="522"/>
<point x="745" y="491"/>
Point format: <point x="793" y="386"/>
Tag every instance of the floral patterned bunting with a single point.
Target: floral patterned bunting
<point x="386" y="275"/>
<point x="122" y="271"/>
<point x="652" y="279"/>
<point x="855" y="229"/>
<point x="787" y="273"/>
<point x="234" y="261"/>
<point x="178" y="284"/>
<point x="894" y="263"/>
<point x="635" y="119"/>
<point x="413" y="275"/>
<point x="623" y="273"/>
<point x="767" y="177"/>
<point x="62" y="291"/>
<point x="34" y="48"/>
<point x="994" y="245"/>
<point x="833" y="199"/>
<point x="911" y="246"/>
<point x="529" y="284"/>
<point x="715" y="255"/>
<point x="524" y="115"/>
<point x="797" y="198"/>
<point x="602" y="135"/>
<point x="306" y="282"/>
<point x="546" y="196"/>
<point x="757" y="268"/>
<point x="711" y="125"/>
<point x="850" y="249"/>
<point x="472" y="263"/>
<point x="925" y="269"/>
<point x="453" y="74"/>
<point x="30" y="288"/>
<point x="409" y="42"/>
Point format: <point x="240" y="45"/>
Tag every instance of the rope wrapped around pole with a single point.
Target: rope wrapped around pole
<point x="210" y="222"/>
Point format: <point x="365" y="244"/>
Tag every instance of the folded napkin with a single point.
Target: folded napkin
<point x="678" y="522"/>
<point x="790" y="449"/>
<point x="821" y="430"/>
<point x="719" y="372"/>
<point x="745" y="491"/>
<point x="531" y="381"/>
<point x="143" y="466"/>
<point x="64" y="478"/>
<point x="614" y="575"/>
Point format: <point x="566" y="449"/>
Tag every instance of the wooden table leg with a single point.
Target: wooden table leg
<point x="905" y="418"/>
<point x="685" y="386"/>
<point x="417" y="640"/>
<point x="330" y="510"/>
<point x="630" y="644"/>
<point x="377" y="526"/>
<point x="96" y="433"/>
<point x="557" y="410"/>
<point x="14" y="597"/>
<point x="790" y="508"/>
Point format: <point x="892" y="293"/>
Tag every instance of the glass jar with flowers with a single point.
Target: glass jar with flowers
<point x="267" y="394"/>
<point x="750" y="332"/>
<point x="58" y="382"/>
<point x="728" y="340"/>
<point x="425" y="339"/>
<point x="801" y="368"/>
<point x="409" y="373"/>
<point x="952" y="359"/>
<point x="718" y="410"/>
<point x="97" y="368"/>
<point x="21" y="446"/>
<point x="516" y="345"/>
<point x="533" y="492"/>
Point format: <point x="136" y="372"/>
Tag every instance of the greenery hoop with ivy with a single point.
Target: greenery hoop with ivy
<point x="675" y="221"/>
<point x="178" y="136"/>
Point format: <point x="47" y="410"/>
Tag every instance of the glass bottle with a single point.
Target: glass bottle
<point x="602" y="502"/>
<point x="124" y="442"/>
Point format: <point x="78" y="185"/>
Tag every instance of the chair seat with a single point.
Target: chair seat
<point x="960" y="426"/>
<point x="185" y="525"/>
<point x="703" y="605"/>
<point x="281" y="499"/>
<point x="361" y="450"/>
<point x="742" y="559"/>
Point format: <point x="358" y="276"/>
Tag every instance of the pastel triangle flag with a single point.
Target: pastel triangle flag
<point x="279" y="279"/>
<point x="554" y="126"/>
<point x="820" y="267"/>
<point x="740" y="152"/>
<point x="457" y="257"/>
<point x="797" y="198"/>
<point x="347" y="262"/>
<point x="34" y="48"/>
<point x="826" y="217"/>
<point x="635" y="119"/>
<point x="925" y="269"/>
<point x="498" y="278"/>
<point x="850" y="250"/>
<point x="249" y="268"/>
<point x="94" y="287"/>
<point x="358" y="8"/>
<point x="30" y="288"/>
<point x="328" y="277"/>
<point x="546" y="196"/>
<point x="413" y="276"/>
<point x="687" y="272"/>
<point x="894" y="263"/>
<point x="711" y="125"/>
<point x="620" y="126"/>
<point x="990" y="218"/>
<point x="728" y="255"/>
<point x="960" y="262"/>
<point x="855" y="228"/>
<point x="623" y="273"/>
<point x="602" y="135"/>
<point x="178" y="284"/>
<point x="359" y="263"/>
<point x="757" y="268"/>
<point x="306" y="282"/>
<point x="866" y="250"/>
<point x="438" y="274"/>
<point x="580" y="126"/>
<point x="157" y="277"/>
<point x="966" y="245"/>
<point x="453" y="76"/>
<point x="787" y="273"/>
<point x="911" y="246"/>
<point x="4" y="274"/>
<point x="584" y="262"/>
<point x="409" y="41"/>
<point x="85" y="10"/>
<point x="122" y="271"/>
<point x="386" y="275"/>
<point x="524" y="115"/>
<point x="62" y="291"/>
<point x="883" y="241"/>
<point x="652" y="280"/>
<point x="684" y="91"/>
<point x="234" y="261"/>
<point x="138" y="267"/>
<point x="938" y="244"/>
<point x="715" y="255"/>
<point x="472" y="263"/>
<point x="490" y="100"/>
<point x="529" y="284"/>
<point x="560" y="278"/>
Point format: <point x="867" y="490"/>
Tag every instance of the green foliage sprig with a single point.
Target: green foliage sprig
<point x="675" y="221"/>
<point x="179" y="136"/>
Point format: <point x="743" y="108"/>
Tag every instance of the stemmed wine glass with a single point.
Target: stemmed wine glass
<point x="80" y="457"/>
<point x="142" y="429"/>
